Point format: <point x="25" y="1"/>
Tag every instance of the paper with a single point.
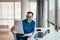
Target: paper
<point x="28" y="34"/>
<point x="19" y="27"/>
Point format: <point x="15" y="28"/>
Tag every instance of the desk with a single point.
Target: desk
<point x="41" y="33"/>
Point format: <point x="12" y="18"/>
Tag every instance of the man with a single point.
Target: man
<point x="28" y="27"/>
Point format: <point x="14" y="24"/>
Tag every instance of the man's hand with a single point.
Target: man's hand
<point x="13" y="29"/>
<point x="29" y="36"/>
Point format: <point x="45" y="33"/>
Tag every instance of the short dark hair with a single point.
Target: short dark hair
<point x="30" y="13"/>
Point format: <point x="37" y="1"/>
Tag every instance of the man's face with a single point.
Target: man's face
<point x="29" y="17"/>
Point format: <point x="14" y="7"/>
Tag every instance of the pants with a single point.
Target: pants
<point x="24" y="38"/>
<point x="19" y="37"/>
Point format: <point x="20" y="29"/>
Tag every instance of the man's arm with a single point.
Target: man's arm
<point x="33" y="29"/>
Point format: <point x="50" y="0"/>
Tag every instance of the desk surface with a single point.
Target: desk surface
<point x="53" y="35"/>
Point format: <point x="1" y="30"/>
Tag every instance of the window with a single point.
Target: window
<point x="18" y="10"/>
<point x="58" y="13"/>
<point x="33" y="6"/>
<point x="51" y="14"/>
<point x="9" y="11"/>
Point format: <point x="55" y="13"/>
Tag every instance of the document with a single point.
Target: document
<point x="28" y="34"/>
<point x="19" y="27"/>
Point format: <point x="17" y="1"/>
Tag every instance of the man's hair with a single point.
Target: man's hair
<point x="30" y="13"/>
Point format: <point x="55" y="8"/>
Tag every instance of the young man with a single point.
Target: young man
<point x="28" y="27"/>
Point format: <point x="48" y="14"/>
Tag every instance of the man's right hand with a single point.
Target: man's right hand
<point x="13" y="29"/>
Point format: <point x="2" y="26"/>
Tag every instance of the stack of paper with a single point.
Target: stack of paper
<point x="19" y="27"/>
<point x="28" y="34"/>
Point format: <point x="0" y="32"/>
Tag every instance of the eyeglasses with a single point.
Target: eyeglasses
<point x="29" y="16"/>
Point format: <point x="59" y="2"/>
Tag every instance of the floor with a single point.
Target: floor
<point x="6" y="35"/>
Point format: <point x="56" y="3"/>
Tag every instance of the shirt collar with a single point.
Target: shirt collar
<point x="27" y="21"/>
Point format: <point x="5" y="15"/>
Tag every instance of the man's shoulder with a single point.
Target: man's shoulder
<point x="25" y="21"/>
<point x="33" y="21"/>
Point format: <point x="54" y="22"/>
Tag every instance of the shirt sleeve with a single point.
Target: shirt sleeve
<point x="33" y="29"/>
